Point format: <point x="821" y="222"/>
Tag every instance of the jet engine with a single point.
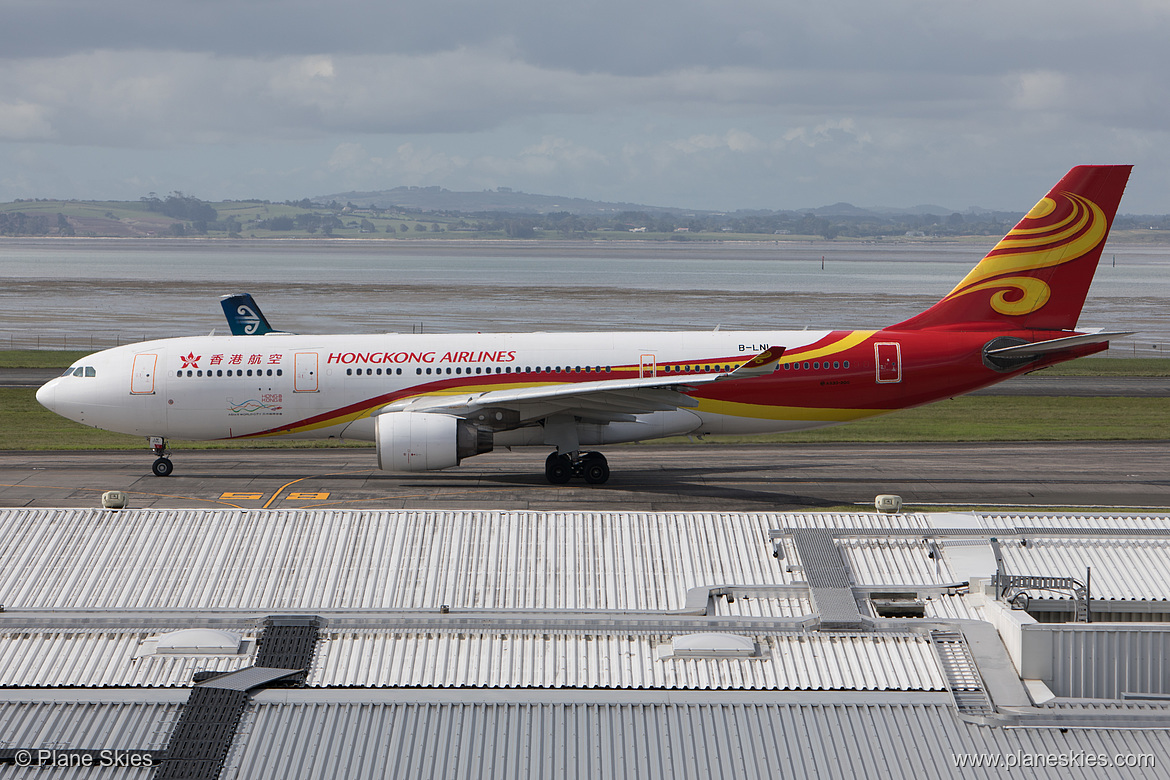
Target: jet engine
<point x="419" y="441"/>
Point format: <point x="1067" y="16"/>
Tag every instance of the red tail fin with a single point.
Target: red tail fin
<point x="1037" y="276"/>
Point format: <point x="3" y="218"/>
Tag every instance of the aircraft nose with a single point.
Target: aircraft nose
<point x="47" y="395"/>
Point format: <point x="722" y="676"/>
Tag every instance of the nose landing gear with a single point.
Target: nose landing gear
<point x="162" y="466"/>
<point x="591" y="466"/>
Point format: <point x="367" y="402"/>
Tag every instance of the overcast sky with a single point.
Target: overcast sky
<point x="715" y="104"/>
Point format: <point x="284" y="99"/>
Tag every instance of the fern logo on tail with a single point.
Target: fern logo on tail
<point x="1058" y="229"/>
<point x="249" y="319"/>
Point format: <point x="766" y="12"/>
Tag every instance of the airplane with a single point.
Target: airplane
<point x="430" y="401"/>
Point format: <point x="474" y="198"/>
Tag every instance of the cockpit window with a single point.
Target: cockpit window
<point x="79" y="371"/>
<point x="89" y="371"/>
<point x="69" y="371"/>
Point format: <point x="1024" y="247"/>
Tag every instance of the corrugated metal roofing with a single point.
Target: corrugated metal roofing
<point x="97" y="658"/>
<point x="1103" y="662"/>
<point x="377" y="658"/>
<point x="327" y="560"/>
<point x="744" y="741"/>
<point x="895" y="562"/>
<point x="1059" y="521"/>
<point x="305" y="560"/>
<point x="762" y="606"/>
<point x="1126" y="569"/>
<point x="84" y="726"/>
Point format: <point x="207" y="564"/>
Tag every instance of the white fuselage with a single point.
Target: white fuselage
<point x="324" y="386"/>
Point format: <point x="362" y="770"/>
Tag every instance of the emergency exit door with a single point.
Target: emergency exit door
<point x="889" y="362"/>
<point x="305" y="372"/>
<point x="142" y="374"/>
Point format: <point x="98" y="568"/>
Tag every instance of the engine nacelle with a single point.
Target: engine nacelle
<point x="418" y="441"/>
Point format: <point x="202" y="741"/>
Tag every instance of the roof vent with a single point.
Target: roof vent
<point x="711" y="644"/>
<point x="193" y="641"/>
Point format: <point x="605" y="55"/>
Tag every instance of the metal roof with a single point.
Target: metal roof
<point x="547" y="660"/>
<point x="1122" y="569"/>
<point x="379" y="658"/>
<point x="725" y="736"/>
<point x="99" y="724"/>
<point x="97" y="658"/>
<point x="328" y="560"/>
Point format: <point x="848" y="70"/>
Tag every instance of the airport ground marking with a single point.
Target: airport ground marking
<point x="127" y="492"/>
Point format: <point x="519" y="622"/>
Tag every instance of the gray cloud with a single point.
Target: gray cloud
<point x="704" y="95"/>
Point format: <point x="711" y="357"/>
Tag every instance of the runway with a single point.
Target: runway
<point x="732" y="478"/>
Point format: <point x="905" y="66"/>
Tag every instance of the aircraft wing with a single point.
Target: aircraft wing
<point x="606" y="400"/>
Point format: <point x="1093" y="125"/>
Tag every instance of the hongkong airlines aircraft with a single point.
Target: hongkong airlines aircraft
<point x="429" y="401"/>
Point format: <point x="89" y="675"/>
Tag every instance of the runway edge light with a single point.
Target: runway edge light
<point x="888" y="503"/>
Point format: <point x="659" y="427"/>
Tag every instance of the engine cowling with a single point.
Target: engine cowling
<point x="418" y="441"/>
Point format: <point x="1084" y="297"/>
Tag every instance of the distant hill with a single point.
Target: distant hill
<point x="502" y="199"/>
<point x="505" y="199"/>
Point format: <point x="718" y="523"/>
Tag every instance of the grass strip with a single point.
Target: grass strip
<point x="29" y="426"/>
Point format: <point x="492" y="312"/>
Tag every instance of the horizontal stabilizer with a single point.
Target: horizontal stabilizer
<point x="1056" y="345"/>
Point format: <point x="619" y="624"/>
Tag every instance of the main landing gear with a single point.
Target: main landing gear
<point x="592" y="466"/>
<point x="162" y="466"/>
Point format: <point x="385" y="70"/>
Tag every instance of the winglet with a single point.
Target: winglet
<point x="244" y="316"/>
<point x="761" y="365"/>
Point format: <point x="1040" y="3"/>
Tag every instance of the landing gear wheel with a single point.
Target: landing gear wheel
<point x="595" y="468"/>
<point x="162" y="467"/>
<point x="558" y="469"/>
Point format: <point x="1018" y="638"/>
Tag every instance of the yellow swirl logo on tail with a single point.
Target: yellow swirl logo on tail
<point x="1051" y="234"/>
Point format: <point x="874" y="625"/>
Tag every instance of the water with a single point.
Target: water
<point x="83" y="292"/>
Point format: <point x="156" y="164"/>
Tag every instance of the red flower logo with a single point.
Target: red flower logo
<point x="189" y="360"/>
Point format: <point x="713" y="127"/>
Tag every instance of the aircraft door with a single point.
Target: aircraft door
<point x="889" y="362"/>
<point x="305" y="372"/>
<point x="647" y="367"/>
<point x="142" y="374"/>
